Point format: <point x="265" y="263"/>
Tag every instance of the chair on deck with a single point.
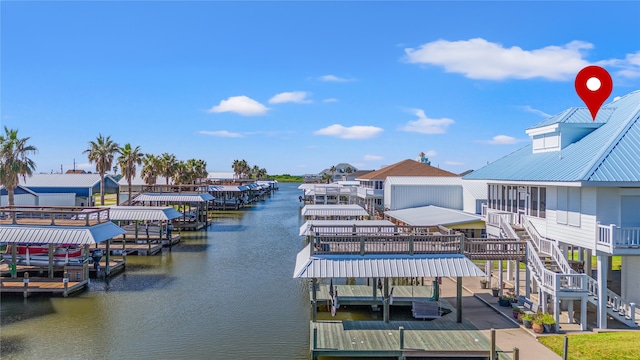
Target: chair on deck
<point x="425" y="309"/>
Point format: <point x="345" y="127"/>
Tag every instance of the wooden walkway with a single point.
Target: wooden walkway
<point x="40" y="285"/>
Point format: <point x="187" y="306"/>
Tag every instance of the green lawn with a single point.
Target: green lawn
<point x="603" y="346"/>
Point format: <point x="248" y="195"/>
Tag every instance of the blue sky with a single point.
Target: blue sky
<point x="296" y="87"/>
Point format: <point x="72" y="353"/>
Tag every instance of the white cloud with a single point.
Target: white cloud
<point x="628" y="67"/>
<point x="528" y="108"/>
<point x="502" y="140"/>
<point x="85" y="166"/>
<point x="242" y="105"/>
<point x="221" y="133"/>
<point x="430" y="153"/>
<point x="333" y="78"/>
<point x="424" y="125"/>
<point x="330" y="100"/>
<point x="453" y="163"/>
<point x="298" y="97"/>
<point x="480" y="59"/>
<point x="353" y="132"/>
<point x="369" y="157"/>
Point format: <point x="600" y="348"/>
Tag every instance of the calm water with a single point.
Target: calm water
<point x="223" y="294"/>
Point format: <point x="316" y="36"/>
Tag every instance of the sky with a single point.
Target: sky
<point x="296" y="87"/>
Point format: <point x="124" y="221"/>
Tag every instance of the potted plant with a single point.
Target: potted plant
<point x="527" y="320"/>
<point x="483" y="283"/>
<point x="517" y="314"/>
<point x="505" y="301"/>
<point x="495" y="291"/>
<point x="536" y="325"/>
<point x="549" y="323"/>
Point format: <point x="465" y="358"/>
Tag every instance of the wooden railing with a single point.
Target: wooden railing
<point x="53" y="215"/>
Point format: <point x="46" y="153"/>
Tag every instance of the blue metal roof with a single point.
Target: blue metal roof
<point x="576" y="116"/>
<point x="609" y="153"/>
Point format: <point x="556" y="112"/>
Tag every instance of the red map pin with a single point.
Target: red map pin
<point x="593" y="85"/>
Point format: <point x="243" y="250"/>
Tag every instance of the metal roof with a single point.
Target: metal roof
<point x="405" y="168"/>
<point x="138" y="181"/>
<point x="174" y="197"/>
<point x="64" y="180"/>
<point x="576" y="116"/>
<point x="221" y="175"/>
<point x="304" y="229"/>
<point x="333" y="210"/>
<point x="384" y="266"/>
<point x="609" y="153"/>
<point x="151" y="213"/>
<point x="62" y="235"/>
<point x="432" y="215"/>
<point x="228" y="188"/>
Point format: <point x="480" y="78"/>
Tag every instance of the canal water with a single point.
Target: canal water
<point x="227" y="293"/>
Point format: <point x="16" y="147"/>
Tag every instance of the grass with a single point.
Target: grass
<point x="109" y="199"/>
<point x="603" y="346"/>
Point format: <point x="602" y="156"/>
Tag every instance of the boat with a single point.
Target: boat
<point x="38" y="255"/>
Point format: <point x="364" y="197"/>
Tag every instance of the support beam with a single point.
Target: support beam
<point x="50" y="265"/>
<point x="386" y="300"/>
<point x="314" y="299"/>
<point x="603" y="267"/>
<point x="583" y="314"/>
<point x="500" y="276"/>
<point x="107" y="268"/>
<point x="459" y="299"/>
<point x="517" y="279"/>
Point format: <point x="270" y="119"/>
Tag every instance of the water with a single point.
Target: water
<point x="223" y="294"/>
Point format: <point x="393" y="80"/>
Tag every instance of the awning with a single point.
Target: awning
<point x="384" y="266"/>
<point x="333" y="210"/>
<point x="174" y="198"/>
<point x="150" y="213"/>
<point x="433" y="215"/>
<point x="342" y="226"/>
<point x="20" y="234"/>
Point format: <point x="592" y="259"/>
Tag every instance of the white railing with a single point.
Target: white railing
<point x="612" y="236"/>
<point x="547" y="246"/>
<point x="495" y="217"/>
<point x="614" y="301"/>
<point x="368" y="192"/>
<point x="484" y="210"/>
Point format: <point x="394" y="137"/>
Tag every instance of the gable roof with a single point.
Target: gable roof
<point x="611" y="153"/>
<point x="359" y="173"/>
<point x="139" y="181"/>
<point x="66" y="181"/>
<point x="405" y="168"/>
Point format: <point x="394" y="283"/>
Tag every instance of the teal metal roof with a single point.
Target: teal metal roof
<point x="62" y="235"/>
<point x="610" y="153"/>
<point x="576" y="116"/>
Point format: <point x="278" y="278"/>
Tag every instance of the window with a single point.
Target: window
<point x="533" y="207"/>
<point x="568" y="206"/>
<point x="543" y="203"/>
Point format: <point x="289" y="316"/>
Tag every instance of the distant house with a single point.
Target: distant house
<point x="574" y="192"/>
<point x="343" y="170"/>
<point x="138" y="186"/>
<point x="83" y="186"/>
<point x="77" y="171"/>
<point x="371" y="189"/>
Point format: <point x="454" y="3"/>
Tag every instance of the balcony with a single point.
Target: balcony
<point x="368" y="193"/>
<point x="618" y="240"/>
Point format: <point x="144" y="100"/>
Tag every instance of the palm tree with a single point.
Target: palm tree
<point x="150" y="169"/>
<point x="236" y="168"/>
<point x="102" y="152"/>
<point x="255" y="170"/>
<point x="180" y="173"/>
<point x="333" y="172"/>
<point x="326" y="177"/>
<point x="244" y="168"/>
<point x="167" y="166"/>
<point x="128" y="160"/>
<point x="13" y="153"/>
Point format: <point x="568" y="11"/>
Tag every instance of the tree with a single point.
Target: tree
<point x="128" y="160"/>
<point x="236" y="168"/>
<point x="102" y="152"/>
<point x="167" y="164"/>
<point x="150" y="169"/>
<point x="14" y="153"/>
<point x="333" y="172"/>
<point x="326" y="177"/>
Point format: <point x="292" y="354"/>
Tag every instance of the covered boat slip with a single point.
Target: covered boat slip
<point x="147" y="228"/>
<point x="46" y="229"/>
<point x="194" y="214"/>
<point x="333" y="212"/>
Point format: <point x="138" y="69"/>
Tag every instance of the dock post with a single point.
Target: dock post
<point x="107" y="269"/>
<point x="516" y="353"/>
<point x="492" y="345"/>
<point x="50" y="264"/>
<point x="85" y="265"/>
<point x="25" y="281"/>
<point x="565" y="348"/>
<point x="459" y="299"/>
<point x="314" y="299"/>
<point x="386" y="300"/>
<point x="14" y="255"/>
<point x="401" y="337"/>
<point x="65" y="281"/>
<point x="314" y="344"/>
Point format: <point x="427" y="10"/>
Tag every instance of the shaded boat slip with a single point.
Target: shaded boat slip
<point x="363" y="294"/>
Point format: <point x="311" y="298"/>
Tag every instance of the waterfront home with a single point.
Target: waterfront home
<point x="371" y="190"/>
<point x="25" y="196"/>
<point x="84" y="186"/>
<point x="574" y="192"/>
<point x="327" y="194"/>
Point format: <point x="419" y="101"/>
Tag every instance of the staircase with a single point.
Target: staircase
<point x="548" y="266"/>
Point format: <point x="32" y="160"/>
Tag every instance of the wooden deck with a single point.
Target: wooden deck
<point x="363" y="294"/>
<point x="40" y="285"/>
<point x="116" y="266"/>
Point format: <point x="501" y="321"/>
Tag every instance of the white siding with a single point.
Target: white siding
<point x="630" y="273"/>
<point x="583" y="235"/>
<point x="19" y="199"/>
<point x="397" y="197"/>
<point x="608" y="206"/>
<point x="62" y="199"/>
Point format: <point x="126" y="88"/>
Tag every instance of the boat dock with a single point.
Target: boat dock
<point x="403" y="295"/>
<point x="41" y="285"/>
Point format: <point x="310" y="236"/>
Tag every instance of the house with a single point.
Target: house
<point x="574" y="192"/>
<point x="83" y="186"/>
<point x="341" y="172"/>
<point x="371" y="190"/>
<point x="138" y="186"/>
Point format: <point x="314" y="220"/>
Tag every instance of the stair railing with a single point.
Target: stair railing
<point x="547" y="246"/>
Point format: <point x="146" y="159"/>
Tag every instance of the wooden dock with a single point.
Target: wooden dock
<point x="116" y="266"/>
<point x="54" y="286"/>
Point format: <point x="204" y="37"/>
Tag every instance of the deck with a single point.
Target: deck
<point x="441" y="338"/>
<point x="41" y="285"/>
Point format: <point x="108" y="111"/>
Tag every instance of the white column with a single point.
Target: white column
<point x="500" y="273"/>
<point x="603" y="267"/>
<point x="509" y="270"/>
<point x="583" y="314"/>
<point x="517" y="278"/>
<point x="587" y="263"/>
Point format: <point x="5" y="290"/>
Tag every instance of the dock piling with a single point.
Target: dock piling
<point x="401" y="337"/>
<point x="65" y="281"/>
<point x="492" y="345"/>
<point x="25" y="281"/>
<point x="516" y="352"/>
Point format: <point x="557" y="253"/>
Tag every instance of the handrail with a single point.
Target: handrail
<point x="612" y="236"/>
<point x="547" y="246"/>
